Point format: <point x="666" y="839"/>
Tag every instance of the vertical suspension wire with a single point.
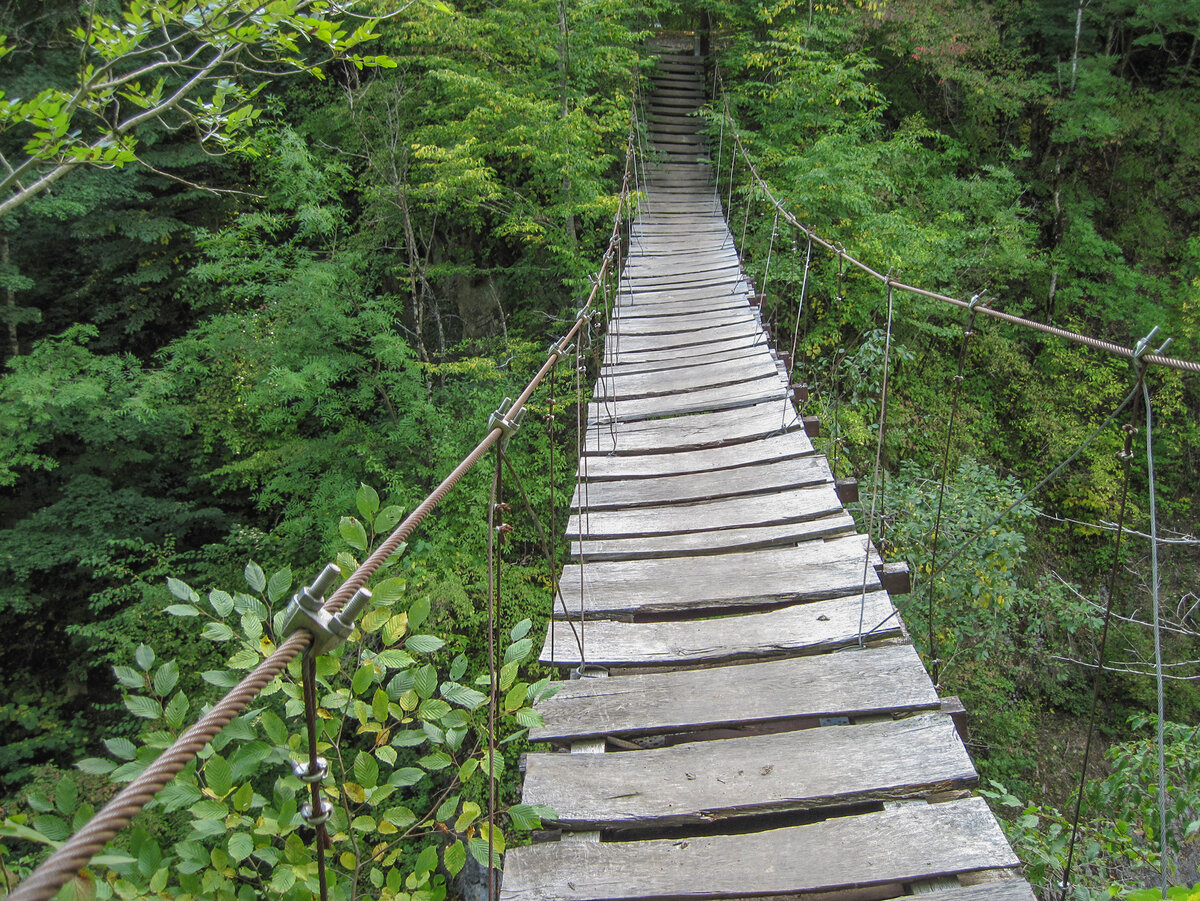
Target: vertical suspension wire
<point x="1158" y="662"/>
<point x="766" y="277"/>
<point x="1126" y="458"/>
<point x="551" y="562"/>
<point x="315" y="772"/>
<point x="876" y="480"/>
<point x="796" y="330"/>
<point x="968" y="332"/>
<point x="581" y="480"/>
<point x="494" y="563"/>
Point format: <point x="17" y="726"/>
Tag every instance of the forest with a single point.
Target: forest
<point x="268" y="268"/>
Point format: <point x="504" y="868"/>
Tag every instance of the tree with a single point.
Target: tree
<point x="165" y="63"/>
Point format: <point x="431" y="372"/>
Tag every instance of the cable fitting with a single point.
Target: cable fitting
<point x="561" y="348"/>
<point x="302" y="772"/>
<point x="307" y="611"/>
<point x="507" y="425"/>
<point x="976" y="300"/>
<point x="1141" y="347"/>
<point x="316" y="819"/>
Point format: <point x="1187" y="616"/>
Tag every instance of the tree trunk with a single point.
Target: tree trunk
<point x="10" y="303"/>
<point x="564" y="58"/>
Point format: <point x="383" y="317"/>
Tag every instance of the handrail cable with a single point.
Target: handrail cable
<point x="75" y="853"/>
<point x="1094" y="343"/>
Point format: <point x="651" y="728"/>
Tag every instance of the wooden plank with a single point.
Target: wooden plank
<point x="891" y="846"/>
<point x="1003" y="890"/>
<point x="660" y="343"/>
<point x="788" y="506"/>
<point x="790" y="632"/>
<point x="728" y="397"/>
<point x="726" y="459"/>
<point x="670" y="381"/>
<point x="617" y="367"/>
<point x="640" y="326"/>
<point x="763" y="478"/>
<point x="701" y="430"/>
<point x="716" y="541"/>
<point x="709" y="351"/>
<point x="705" y="782"/>
<point x="691" y="585"/>
<point x="851" y="683"/>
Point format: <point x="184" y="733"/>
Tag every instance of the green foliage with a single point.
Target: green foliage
<point x="404" y="729"/>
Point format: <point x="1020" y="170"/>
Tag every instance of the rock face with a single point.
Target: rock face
<point x="471" y="882"/>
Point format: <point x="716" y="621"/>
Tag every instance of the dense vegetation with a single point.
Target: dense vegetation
<point x="210" y="345"/>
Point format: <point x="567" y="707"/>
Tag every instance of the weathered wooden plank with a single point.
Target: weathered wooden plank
<point x="640" y="326"/>
<point x="813" y="628"/>
<point x="658" y="306"/>
<point x="713" y="542"/>
<point x="851" y="683"/>
<point x="763" y="478"/>
<point x="690" y="585"/>
<point x="693" y="432"/>
<point x="661" y="343"/>
<point x="616" y="365"/>
<point x="727" y="397"/>
<point x="704" y="782"/>
<point x="892" y="846"/>
<point x="669" y="381"/>
<point x="693" y="352"/>
<point x="1003" y="890"/>
<point x="790" y="505"/>
<point x="727" y="459"/>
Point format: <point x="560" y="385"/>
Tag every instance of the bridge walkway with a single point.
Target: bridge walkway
<point x="748" y="741"/>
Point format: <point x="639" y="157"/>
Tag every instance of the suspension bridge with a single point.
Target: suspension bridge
<point x="736" y="733"/>
<point x="746" y="716"/>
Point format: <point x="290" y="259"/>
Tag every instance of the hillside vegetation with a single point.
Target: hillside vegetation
<point x="251" y="318"/>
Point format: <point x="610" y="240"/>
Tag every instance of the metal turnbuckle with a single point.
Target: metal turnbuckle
<point x="306" y="611"/>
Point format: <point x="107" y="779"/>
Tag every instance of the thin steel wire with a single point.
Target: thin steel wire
<point x="1126" y="459"/>
<point x="1164" y="851"/>
<point x="1074" y="337"/>
<point x="935" y="663"/>
<point x="493" y="599"/>
<point x="876" y="477"/>
<point x="321" y="839"/>
<point x="75" y="852"/>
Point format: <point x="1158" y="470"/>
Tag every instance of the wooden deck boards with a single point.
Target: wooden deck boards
<point x="765" y="708"/>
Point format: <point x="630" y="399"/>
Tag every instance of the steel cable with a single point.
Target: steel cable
<point x="75" y="853"/>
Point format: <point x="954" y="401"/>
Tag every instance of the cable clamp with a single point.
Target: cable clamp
<point x="561" y="347"/>
<point x="316" y="819"/>
<point x="307" y="611"/>
<point x="1142" y="346"/>
<point x="500" y="420"/>
<point x="301" y="771"/>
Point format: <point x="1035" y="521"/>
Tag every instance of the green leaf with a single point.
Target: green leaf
<point x="438" y="760"/>
<point x="66" y="795"/>
<point x="462" y="695"/>
<point x="366" y="770"/>
<point x="479" y="850"/>
<point x="166" y="678"/>
<point x="177" y="795"/>
<point x="53" y="827"/>
<point x="423" y="644"/>
<point x="255" y="577"/>
<point x="220" y="678"/>
<point x="393" y="658"/>
<point x="425" y="681"/>
<point x="95" y="766"/>
<point x="454" y="858"/>
<point x="240" y="846"/>
<point x="367" y="501"/>
<point x="146" y="708"/>
<point x="520" y="630"/>
<point x="363" y="678"/>
<point x="406" y="776"/>
<point x="388" y="519"/>
<point x="470" y="813"/>
<point x="529" y="718"/>
<point x="353" y="533"/>
<point x="217" y="632"/>
<point x="274" y="727"/>
<point x="144" y="656"/>
<point x="279" y="584"/>
<point x="177" y="709"/>
<point x="219" y="775"/>
<point x="388" y="591"/>
<point x="221" y="602"/>
<point x="182" y="591"/>
<point x="400" y="817"/>
<point x="121" y="747"/>
<point x="458" y="667"/>
<point x="508" y="674"/>
<point x="129" y="677"/>
<point x="418" y="612"/>
<point x="426" y="860"/>
<point x="529" y="816"/>
<point x="182" y="610"/>
<point x="447" y="808"/>
<point x="518" y="651"/>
